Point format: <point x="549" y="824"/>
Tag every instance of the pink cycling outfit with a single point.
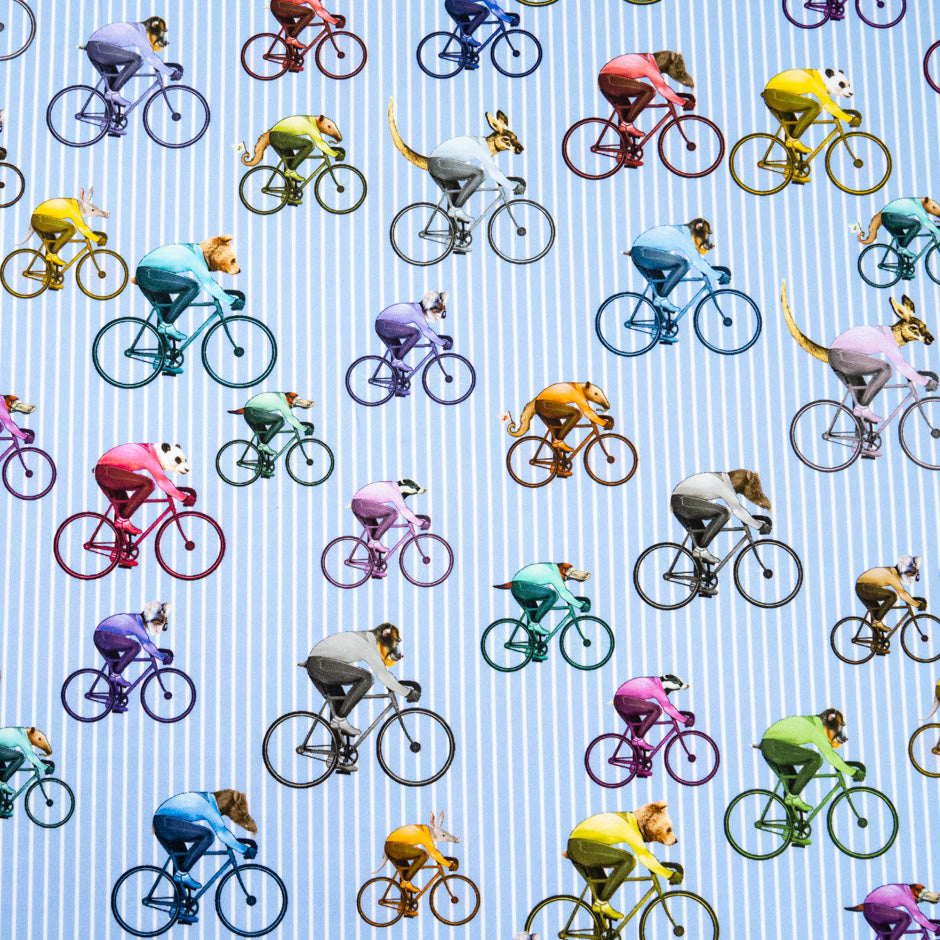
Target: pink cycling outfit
<point x="8" y="423"/>
<point x="370" y="507"/>
<point x="632" y="703"/>
<point x="114" y="474"/>
<point x="619" y="84"/>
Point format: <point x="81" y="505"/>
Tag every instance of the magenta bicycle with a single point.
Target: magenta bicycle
<point x="28" y="472"/>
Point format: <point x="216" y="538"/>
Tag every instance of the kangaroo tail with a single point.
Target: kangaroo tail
<point x="517" y="430"/>
<point x="237" y="411"/>
<point x="813" y="348"/>
<point x="29" y="235"/>
<point x="382" y="864"/>
<point x="412" y="156"/>
<point x="260" y="148"/>
<point x="503" y="587"/>
<point x="872" y="230"/>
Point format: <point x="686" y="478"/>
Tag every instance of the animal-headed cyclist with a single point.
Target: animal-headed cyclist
<point x="378" y="505"/>
<point x="402" y="326"/>
<point x="18" y="745"/>
<point x="471" y="14"/>
<point x="891" y="909"/>
<point x="266" y="412"/>
<point x="296" y="15"/>
<point x="904" y="218"/>
<point x="539" y="586"/>
<point x="879" y="588"/>
<point x="10" y="405"/>
<point x="293" y="139"/>
<point x="641" y="701"/>
<point x="120" y="637"/>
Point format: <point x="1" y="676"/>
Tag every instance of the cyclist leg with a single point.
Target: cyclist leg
<point x="329" y="677"/>
<point x="126" y="490"/>
<point x="640" y="715"/>
<point x="795" y="113"/>
<point x="628" y="97"/>
<point x="408" y="860"/>
<point x="265" y="424"/>
<point x="783" y="759"/>
<point x="11" y="760"/>
<point x="469" y="15"/>
<point x="559" y="419"/>
<point x="665" y="271"/>
<point x="53" y="233"/>
<point x="904" y="228"/>
<point x="399" y="338"/>
<point x="851" y="368"/>
<point x="118" y="66"/>
<point x="591" y="860"/>
<point x="377" y="518"/>
<point x="185" y="842"/>
<point x="458" y="180"/>
<point x="293" y="150"/>
<point x="536" y="601"/>
<point x="118" y="652"/>
<point x="878" y="601"/>
<point x="889" y="923"/>
<point x="169" y="294"/>
<point x="703" y="520"/>
<point x="294" y="18"/>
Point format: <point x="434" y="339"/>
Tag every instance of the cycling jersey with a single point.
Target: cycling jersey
<point x="547" y="575"/>
<point x="353" y="646"/>
<point x="914" y="209"/>
<point x="806" y="82"/>
<point x="807" y="729"/>
<point x="304" y="125"/>
<point x="641" y="65"/>
<point x="472" y="150"/>
<point x="202" y="810"/>
<point x="901" y="896"/>
<point x="885" y="578"/>
<point x="17" y="738"/>
<point x="417" y="836"/>
<point x="68" y="210"/>
<point x="715" y="486"/>
<point x="187" y="259"/>
<point x="319" y="9"/>
<point x="387" y="492"/>
<point x="140" y="457"/>
<point x="131" y="36"/>
<point x="677" y="239"/>
<point x="8" y="423"/>
<point x="274" y="401"/>
<point x="567" y="393"/>
<point x="616" y="828"/>
<point x="409" y="314"/>
<point x="129" y="625"/>
<point x="878" y="340"/>
<point x="650" y="687"/>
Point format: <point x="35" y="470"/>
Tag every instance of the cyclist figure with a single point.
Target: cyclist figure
<point x="120" y="637"/>
<point x="56" y="221"/>
<point x="641" y="701"/>
<point x="16" y="746"/>
<point x="879" y="588"/>
<point x="537" y="587"/>
<point x="377" y="506"/>
<point x="111" y="50"/>
<point x="402" y="326"/>
<point x="294" y="16"/>
<point x="127" y="490"/>
<point x="265" y="414"/>
<point x="664" y="254"/>
<point x="409" y="847"/>
<point x="782" y="749"/>
<point x="10" y="405"/>
<point x="469" y="15"/>
<point x="890" y="910"/>
<point x="904" y="218"/>
<point x="188" y="823"/>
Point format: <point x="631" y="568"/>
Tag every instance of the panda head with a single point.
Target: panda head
<point x="837" y="83"/>
<point x="172" y="458"/>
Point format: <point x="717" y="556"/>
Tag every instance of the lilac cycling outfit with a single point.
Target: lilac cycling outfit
<point x="401" y="326"/>
<point x="112" y="52"/>
<point x="370" y="507"/>
<point x="119" y="639"/>
<point x="632" y="702"/>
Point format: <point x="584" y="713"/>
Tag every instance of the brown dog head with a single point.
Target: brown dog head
<point x="909" y="328"/>
<point x="655" y="824"/>
<point x="747" y="483"/>
<point x="234" y="804"/>
<point x="672" y="64"/>
<point x="388" y="639"/>
<point x="930" y="206"/>
<point x="502" y="137"/>
<point x="220" y="254"/>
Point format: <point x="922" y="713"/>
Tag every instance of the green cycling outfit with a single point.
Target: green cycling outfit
<point x="782" y="748"/>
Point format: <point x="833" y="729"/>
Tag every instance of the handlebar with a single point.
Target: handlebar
<point x="586" y="601"/>
<point x="252" y="848"/>
<point x="690" y="723"/>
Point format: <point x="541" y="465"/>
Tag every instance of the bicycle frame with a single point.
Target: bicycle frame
<point x="153" y="318"/>
<point x="15" y="445"/>
<point x="46" y="272"/>
<point x="908" y="615"/>
<point x="364" y="536"/>
<point x="703" y="291"/>
<point x="848" y="401"/>
<point x="324" y="165"/>
<point x="547" y="441"/>
<point x="433" y="353"/>
<point x="714" y="569"/>
<point x="465" y="49"/>
<point x="638" y="142"/>
<point x="34" y="776"/>
<point x="391" y="707"/>
<point x="654" y="889"/>
<point x="569" y="615"/>
<point x="294" y="435"/>
<point x="780" y="791"/>
<point x="626" y="738"/>
<point x="444" y="203"/>
<point x="435" y="878"/>
<point x="794" y="160"/>
<point x="119" y="110"/>
<point x="105" y="697"/>
<point x="325" y="30"/>
<point x="127" y="540"/>
<point x="169" y="905"/>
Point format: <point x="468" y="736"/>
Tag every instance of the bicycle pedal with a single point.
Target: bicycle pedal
<point x="346" y="771"/>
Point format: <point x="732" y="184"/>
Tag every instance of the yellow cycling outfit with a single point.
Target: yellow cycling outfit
<point x="404" y="849"/>
<point x="784" y="97"/>
<point x="293" y="139"/>
<point x="55" y="221"/>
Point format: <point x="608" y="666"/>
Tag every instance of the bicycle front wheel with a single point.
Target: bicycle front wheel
<point x="758" y="825"/>
<point x="19" y="30"/>
<point x="78" y="116"/>
<point x="128" y="352"/>
<point x="340" y="189"/>
<point x="415" y="747"/>
<point x="853" y="640"/>
<point x="826" y="436"/>
<point x="678" y="914"/>
<point x="87" y="695"/>
<point x="29" y="473"/>
<point x="521" y="231"/>
<point x="882" y="14"/>
<point x="507" y="645"/>
<point x="265" y="57"/>
<point x="691" y="146"/>
<point x="87" y="546"/>
<point x="920" y="638"/>
<point x="168" y="695"/>
<point x="516" y="53"/>
<point x="628" y="324"/>
<point x="341" y="54"/>
<point x="932" y="264"/>
<point x="768" y="573"/>
<point x="441" y="55"/>
<point x="346" y="562"/>
<point x="760" y="164"/>
<point x="531" y="462"/>
<point x="666" y="576"/>
<point x="691" y="758"/>
<point x="426" y="560"/>
<point x="101" y="274"/>
<point x="251" y="900"/>
<point x="381" y="902"/>
<point x="300" y="750"/>
<point x="593" y="149"/>
<point x="50" y="802"/>
<point x="24" y="273"/>
<point x="924" y="750"/>
<point x="932" y="66"/>
<point x="880" y="266"/>
<point x="919" y="432"/>
<point x="611" y="761"/>
<point x="12" y="183"/>
<point x="448" y="379"/>
<point x="238" y="463"/>
<point x="176" y="116"/>
<point x="239" y="351"/>
<point x="727" y="321"/>
<point x="564" y="917"/>
<point x="422" y="234"/>
<point x="190" y="545"/>
<point x="610" y="459"/>
<point x="309" y="462"/>
<point x="866" y="825"/>
<point x="263" y="190"/>
<point x="370" y="381"/>
<point x="586" y="642"/>
<point x="807" y="14"/>
<point x="454" y="900"/>
<point x="858" y="163"/>
<point x="146" y="901"/>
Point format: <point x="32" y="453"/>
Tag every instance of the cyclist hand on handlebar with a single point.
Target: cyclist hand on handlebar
<point x="608" y="422"/>
<point x="167" y="656"/>
<point x="252" y="848"/>
<point x="519" y="187"/>
<point x="678" y="872"/>
<point x="689" y="101"/>
<point x="856" y="117"/>
<point x="415" y="690"/>
<point x="448" y="342"/>
<point x="189" y="494"/>
<point x="340" y="154"/>
<point x="102" y="239"/>
<point x="859" y="775"/>
<point x="765" y="528"/>
<point x="425" y="522"/>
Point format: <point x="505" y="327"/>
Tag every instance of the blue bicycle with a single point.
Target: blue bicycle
<point x="513" y="52"/>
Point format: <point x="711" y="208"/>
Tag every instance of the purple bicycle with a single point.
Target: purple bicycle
<point x="28" y="472"/>
<point x="810" y="14"/>
<point x="932" y="66"/>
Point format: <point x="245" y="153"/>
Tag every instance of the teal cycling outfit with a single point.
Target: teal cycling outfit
<point x="266" y="412"/>
<point x="536" y="587"/>
<point x="903" y="218"/>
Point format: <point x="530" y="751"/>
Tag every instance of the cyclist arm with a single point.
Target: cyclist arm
<point x="320" y="10"/>
<point x="143" y="47"/>
<point x="209" y="283"/>
<point x="80" y="226"/>
<point x="285" y="409"/>
<point x="725" y="492"/>
<point x="374" y="658"/>
<point x="660" y="85"/>
<point x="433" y="852"/>
<point x="160" y="478"/>
<point x="662" y="699"/>
<point x="496" y="10"/>
<point x="399" y="503"/>
<point x="420" y="323"/>
<point x="830" y="105"/>
<point x="21" y="741"/>
<point x="829" y="753"/>
<point x="214" y="818"/>
<point x="924" y="218"/>
<point x="7" y="421"/>
<point x="634" y="840"/>
<point x="893" y="580"/>
<point x="320" y="141"/>
<point x="903" y="366"/>
<point x="492" y="170"/>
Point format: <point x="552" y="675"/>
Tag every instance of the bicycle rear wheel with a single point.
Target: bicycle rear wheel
<point x="507" y="645"/>
<point x="12" y="184"/>
<point x="691" y="146"/>
<point x="919" y="433"/>
<point x="101" y="274"/>
<point x="920" y="750"/>
<point x="564" y="917"/>
<point x="628" y="324"/>
<point x="880" y="266"/>
<point x="87" y="546"/>
<point x="758" y="825"/>
<point x="239" y="352"/>
<point x="426" y="560"/>
<point x="168" y="695"/>
<point x="381" y="902"/>
<point x="370" y="381"/>
<point x="807" y="14"/>
<point x="341" y="54"/>
<point x="853" y="640"/>
<point x="24" y="273"/>
<point x="521" y="231"/>
<point x="422" y="234"/>
<point x="309" y="462"/>
<point x="238" y="463"/>
<point x="265" y="57"/>
<point x="190" y="545"/>
<point x="611" y="761"/>
<point x="87" y="695"/>
<point x="454" y="900"/>
<point x="251" y="900"/>
<point x="50" y="802"/>
<point x="768" y="573"/>
<point x="920" y="638"/>
<point x="760" y="164"/>
<point x="29" y="473"/>
<point x="858" y="163"/>
<point x="882" y="14"/>
<point x="415" y="747"/>
<point x="531" y="462"/>
<point x="347" y="562"/>
<point x="300" y="750"/>
<point x="78" y="116"/>
<point x="516" y="53"/>
<point x="594" y="149"/>
<point x="727" y="321"/>
<point x="932" y="66"/>
<point x="263" y="190"/>
<point x="128" y="352"/>
<point x="666" y="576"/>
<point x="441" y="55"/>
<point x="826" y="436"/>
<point x="176" y="116"/>
<point x="146" y="901"/>
<point x="448" y="379"/>
<point x="610" y="459"/>
<point x="340" y="189"/>
<point x="691" y="758"/>
<point x="19" y="30"/>
<point x="869" y="825"/>
<point x="586" y="642"/>
<point x="678" y="914"/>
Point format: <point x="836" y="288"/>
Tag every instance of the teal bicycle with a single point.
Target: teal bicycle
<point x="883" y="265"/>
<point x="49" y="802"/>
<point x="309" y="461"/>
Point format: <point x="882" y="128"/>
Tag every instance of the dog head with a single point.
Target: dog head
<point x="673" y="65"/>
<point x="234" y="804"/>
<point x="172" y="458"/>
<point x="908" y="568"/>
<point x="38" y="740"/>
<point x="156" y="615"/>
<point x="834" y="722"/>
<point x="655" y="824"/>
<point x="837" y="83"/>
<point x="502" y="137"/>
<point x="410" y="488"/>
<point x="295" y="401"/>
<point x="434" y="304"/>
<point x="15" y="405"/>
<point x="909" y="327"/>
<point x="702" y="235"/>
<point x="922" y="894"/>
<point x="327" y="128"/>
<point x="747" y="483"/>
<point x="88" y="209"/>
<point x="572" y="574"/>
<point x="220" y="254"/>
<point x="388" y="639"/>
<point x="594" y="394"/>
<point x="672" y="683"/>
<point x="156" y="32"/>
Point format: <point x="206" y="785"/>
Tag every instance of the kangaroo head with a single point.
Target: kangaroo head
<point x="909" y="328"/>
<point x="502" y="137"/>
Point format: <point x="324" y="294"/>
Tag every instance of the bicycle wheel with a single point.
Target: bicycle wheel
<point x="29" y="473"/>
<point x="694" y="145"/>
<point x="50" y="802"/>
<point x="882" y="14"/>
<point x="12" y="183"/>
<point x="346" y="562"/>
<point x="415" y="747"/>
<point x="758" y="825"/>
<point x="563" y="916"/>
<point x="691" y="758"/>
<point x="920" y="638"/>
<point x="870" y="827"/>
<point x="19" y="29"/>
<point x="101" y="274"/>
<point x="341" y="54"/>
<point x="128" y="352"/>
<point x="454" y="900"/>
<point x="422" y="234"/>
<point x="768" y="573"/>
<point x="441" y="55"/>
<point x="920" y="749"/>
<point x="919" y="432"/>
<point x="190" y="545"/>
<point x="628" y="324"/>
<point x="309" y="462"/>
<point x="507" y="645"/>
<point x="239" y="344"/>
<point x="146" y="901"/>
<point x="300" y="750"/>
<point x="880" y="266"/>
<point x="666" y="576"/>
<point x="807" y="14"/>
<point x="87" y="695"/>
<point x="531" y="462"/>
<point x="251" y="900"/>
<point x="238" y="463"/>
<point x="593" y="149"/>
<point x="932" y="66"/>
<point x="448" y="379"/>
<point x="176" y="116"/>
<point x="24" y="273"/>
<point x="610" y="459"/>
<point x="168" y="695"/>
<point x="826" y="436"/>
<point x="727" y="321"/>
<point x="586" y="642"/>
<point x="858" y="163"/>
<point x="516" y="53"/>
<point x="611" y="761"/>
<point x="78" y="116"/>
<point x="678" y="914"/>
<point x="370" y="381"/>
<point x="265" y="57"/>
<point x="760" y="164"/>
<point x="87" y="546"/>
<point x="340" y="189"/>
<point x="521" y="231"/>
<point x="426" y="560"/>
<point x="932" y="264"/>
<point x="381" y="902"/>
<point x="263" y="190"/>
<point x="853" y="640"/>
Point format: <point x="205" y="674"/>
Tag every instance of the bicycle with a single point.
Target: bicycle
<point x="726" y="321"/>
<point x="348" y="562"/>
<point x="89" y="545"/>
<point x="17" y="30"/>
<point x="827" y="436"/>
<point x="915" y="931"/>
<point x="672" y="576"/>
<point x="414" y="746"/>
<point x="811" y="14"/>
<point x="855" y="641"/>
<point x="883" y="265"/>
<point x="448" y="378"/>
<point x="762" y="164"/>
<point x="49" y="802"/>
<point x="932" y="66"/>
<point x="12" y="181"/>
<point x="520" y="231"/>
<point x="309" y="461"/>
<point x="668" y="913"/>
<point x="100" y="273"/>
<point x="545" y="3"/>
<point x="267" y="56"/>
<point x="922" y="749"/>
<point x="28" y="472"/>
<point x="382" y="902"/>
<point x="251" y="900"/>
<point x="167" y="695"/>
<point x="595" y="148"/>
<point x="130" y="352"/>
<point x="338" y="187"/>
<point x="690" y="757"/>
<point x="764" y="825"/>
<point x="514" y="53"/>
<point x="585" y="642"/>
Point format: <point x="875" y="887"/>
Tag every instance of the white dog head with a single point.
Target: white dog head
<point x="156" y="616"/>
<point x="909" y="568"/>
<point x="172" y="458"/>
<point x="837" y="83"/>
<point x="434" y="304"/>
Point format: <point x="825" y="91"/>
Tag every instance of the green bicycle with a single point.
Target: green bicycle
<point x="309" y="461"/>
